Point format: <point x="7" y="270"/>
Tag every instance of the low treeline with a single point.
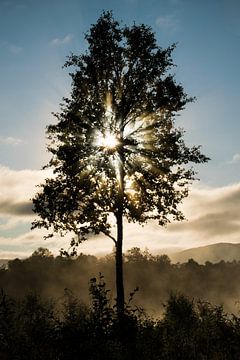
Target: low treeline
<point x="65" y="329"/>
<point x="155" y="276"/>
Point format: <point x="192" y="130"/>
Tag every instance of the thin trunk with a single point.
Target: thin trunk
<point x="119" y="242"/>
<point x="119" y="266"/>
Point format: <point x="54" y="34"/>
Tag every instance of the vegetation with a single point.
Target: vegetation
<point x="155" y="276"/>
<point x="115" y="147"/>
<point x="38" y="330"/>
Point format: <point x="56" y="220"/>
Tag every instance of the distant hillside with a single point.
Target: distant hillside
<point x="213" y="253"/>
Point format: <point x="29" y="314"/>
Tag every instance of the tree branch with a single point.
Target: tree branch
<point x="110" y="236"/>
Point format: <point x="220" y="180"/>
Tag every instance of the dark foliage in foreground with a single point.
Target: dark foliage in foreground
<point x="65" y="329"/>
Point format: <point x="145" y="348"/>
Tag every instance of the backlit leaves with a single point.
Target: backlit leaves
<point x="121" y="88"/>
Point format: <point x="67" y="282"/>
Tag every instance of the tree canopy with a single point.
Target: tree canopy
<point x="115" y="147"/>
<point x="118" y="123"/>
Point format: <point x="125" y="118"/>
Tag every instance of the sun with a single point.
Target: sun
<point x="107" y="141"/>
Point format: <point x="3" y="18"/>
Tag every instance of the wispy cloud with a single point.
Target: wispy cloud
<point x="235" y="159"/>
<point x="168" y="23"/>
<point x="61" y="41"/>
<point x="212" y="213"/>
<point x="15" y="208"/>
<point x="10" y="140"/>
<point x="16" y="190"/>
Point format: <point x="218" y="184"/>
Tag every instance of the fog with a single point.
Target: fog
<point x="155" y="276"/>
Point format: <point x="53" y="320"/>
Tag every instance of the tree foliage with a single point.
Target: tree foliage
<point x="117" y="124"/>
<point x="62" y="330"/>
<point x="115" y="147"/>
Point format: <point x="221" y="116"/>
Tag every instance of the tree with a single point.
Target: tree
<point x="116" y="152"/>
<point x="42" y="252"/>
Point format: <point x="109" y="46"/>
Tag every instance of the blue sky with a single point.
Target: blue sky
<point x="36" y="37"/>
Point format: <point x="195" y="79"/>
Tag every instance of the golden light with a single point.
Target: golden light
<point x="130" y="187"/>
<point x="108" y="105"/>
<point x="108" y="141"/>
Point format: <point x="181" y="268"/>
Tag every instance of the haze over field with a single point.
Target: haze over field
<point x="35" y="47"/>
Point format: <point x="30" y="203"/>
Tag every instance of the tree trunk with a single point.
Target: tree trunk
<point x="119" y="266"/>
<point x="119" y="242"/>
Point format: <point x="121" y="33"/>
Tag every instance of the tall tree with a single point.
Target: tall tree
<point x="115" y="147"/>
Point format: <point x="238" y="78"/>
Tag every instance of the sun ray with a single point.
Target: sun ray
<point x="108" y="106"/>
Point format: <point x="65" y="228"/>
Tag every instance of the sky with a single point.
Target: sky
<point x="35" y="39"/>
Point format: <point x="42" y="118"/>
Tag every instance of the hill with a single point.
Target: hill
<point x="213" y="253"/>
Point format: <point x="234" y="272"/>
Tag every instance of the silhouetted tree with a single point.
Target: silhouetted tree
<point x="115" y="147"/>
<point x="136" y="255"/>
<point x="42" y="252"/>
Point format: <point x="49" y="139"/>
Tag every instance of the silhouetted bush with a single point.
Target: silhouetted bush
<point x="66" y="329"/>
<point x="74" y="326"/>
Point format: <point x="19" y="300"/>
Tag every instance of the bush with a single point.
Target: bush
<point x="68" y="330"/>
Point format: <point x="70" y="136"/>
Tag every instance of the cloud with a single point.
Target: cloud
<point x="212" y="216"/>
<point x="61" y="41"/>
<point x="10" y="140"/>
<point x="168" y="23"/>
<point x="16" y="189"/>
<point x="23" y="208"/>
<point x="235" y="159"/>
<point x="23" y="245"/>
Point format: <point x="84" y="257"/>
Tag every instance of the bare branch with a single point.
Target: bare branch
<point x="110" y="236"/>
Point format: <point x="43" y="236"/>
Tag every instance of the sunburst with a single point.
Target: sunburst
<point x="107" y="141"/>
